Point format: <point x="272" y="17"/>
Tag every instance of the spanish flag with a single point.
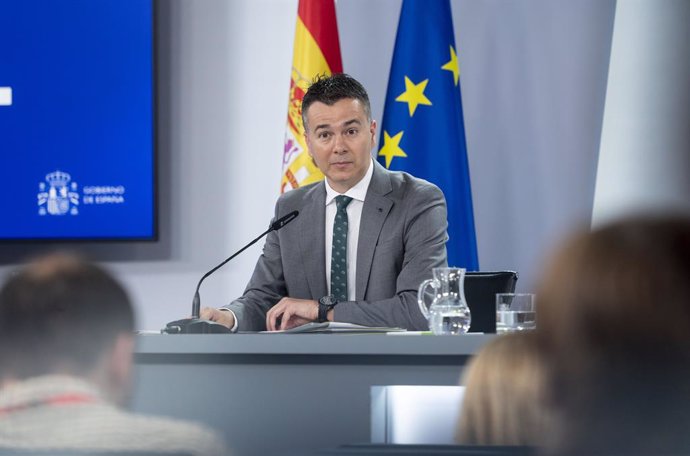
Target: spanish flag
<point x="316" y="51"/>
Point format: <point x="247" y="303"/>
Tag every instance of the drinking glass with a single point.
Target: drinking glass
<point x="515" y="312"/>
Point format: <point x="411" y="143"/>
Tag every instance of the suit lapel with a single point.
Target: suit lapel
<point x="312" y="240"/>
<point x="374" y="212"/>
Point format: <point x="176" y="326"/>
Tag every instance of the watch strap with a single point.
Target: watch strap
<point x="323" y="312"/>
<point x="326" y="303"/>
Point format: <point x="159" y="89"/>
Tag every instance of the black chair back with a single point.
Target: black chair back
<point x="480" y="292"/>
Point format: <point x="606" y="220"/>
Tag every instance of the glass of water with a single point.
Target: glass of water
<point x="515" y="312"/>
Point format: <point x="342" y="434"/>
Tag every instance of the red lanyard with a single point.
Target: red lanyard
<point x="62" y="399"/>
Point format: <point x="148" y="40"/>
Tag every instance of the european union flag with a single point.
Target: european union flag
<point x="423" y="129"/>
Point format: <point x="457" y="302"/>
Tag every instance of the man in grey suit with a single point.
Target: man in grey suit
<point x="365" y="237"/>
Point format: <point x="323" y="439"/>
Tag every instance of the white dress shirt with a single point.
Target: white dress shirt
<point x="354" y="217"/>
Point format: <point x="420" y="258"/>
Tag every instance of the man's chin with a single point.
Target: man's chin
<point x="339" y="182"/>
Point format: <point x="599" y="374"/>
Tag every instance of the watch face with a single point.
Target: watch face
<point x="328" y="301"/>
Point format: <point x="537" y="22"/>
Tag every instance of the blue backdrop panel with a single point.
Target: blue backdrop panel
<point x="77" y="139"/>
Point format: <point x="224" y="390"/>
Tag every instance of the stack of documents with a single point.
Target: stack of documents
<point x="334" y="327"/>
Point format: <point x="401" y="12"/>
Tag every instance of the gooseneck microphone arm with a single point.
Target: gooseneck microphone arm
<point x="278" y="224"/>
<point x="196" y="325"/>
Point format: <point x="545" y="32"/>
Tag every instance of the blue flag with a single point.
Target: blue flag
<point x="423" y="129"/>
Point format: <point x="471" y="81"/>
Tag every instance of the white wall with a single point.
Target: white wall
<point x="644" y="161"/>
<point x="533" y="77"/>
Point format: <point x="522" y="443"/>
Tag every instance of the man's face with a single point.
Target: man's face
<point x="340" y="139"/>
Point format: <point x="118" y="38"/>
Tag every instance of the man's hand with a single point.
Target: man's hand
<point x="292" y="313"/>
<point x="223" y="317"/>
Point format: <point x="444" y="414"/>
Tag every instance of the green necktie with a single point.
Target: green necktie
<point x="339" y="250"/>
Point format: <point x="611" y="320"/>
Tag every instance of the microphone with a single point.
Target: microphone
<point x="196" y="325"/>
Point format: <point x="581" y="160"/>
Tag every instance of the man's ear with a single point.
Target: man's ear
<point x="372" y="130"/>
<point x="118" y="368"/>
<point x="123" y="353"/>
<point x="307" y="141"/>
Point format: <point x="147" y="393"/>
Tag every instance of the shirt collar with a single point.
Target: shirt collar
<point x="36" y="389"/>
<point x="358" y="191"/>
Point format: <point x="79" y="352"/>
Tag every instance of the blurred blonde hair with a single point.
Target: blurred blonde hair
<point x="503" y="402"/>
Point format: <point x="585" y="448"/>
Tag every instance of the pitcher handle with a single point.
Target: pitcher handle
<point x="420" y="296"/>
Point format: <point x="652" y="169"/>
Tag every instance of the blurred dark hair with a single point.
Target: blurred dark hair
<point x="331" y="89"/>
<point x="59" y="313"/>
<point x="614" y="325"/>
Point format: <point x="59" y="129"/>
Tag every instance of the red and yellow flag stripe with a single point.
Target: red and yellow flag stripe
<point x="316" y="51"/>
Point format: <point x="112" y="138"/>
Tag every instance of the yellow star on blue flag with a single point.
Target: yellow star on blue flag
<point x="414" y="95"/>
<point x="391" y="147"/>
<point x="423" y="101"/>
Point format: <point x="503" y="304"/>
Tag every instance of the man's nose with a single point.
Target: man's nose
<point x="339" y="145"/>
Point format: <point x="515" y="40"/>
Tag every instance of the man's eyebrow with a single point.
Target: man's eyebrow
<point x="345" y="124"/>
<point x="352" y="122"/>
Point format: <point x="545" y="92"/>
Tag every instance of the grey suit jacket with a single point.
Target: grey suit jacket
<point x="402" y="236"/>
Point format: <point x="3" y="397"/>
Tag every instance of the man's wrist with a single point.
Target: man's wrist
<point x="316" y="311"/>
<point x="234" y="326"/>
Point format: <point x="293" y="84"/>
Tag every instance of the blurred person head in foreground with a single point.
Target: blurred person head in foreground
<point x="613" y="317"/>
<point x="66" y="349"/>
<point x="503" y="403"/>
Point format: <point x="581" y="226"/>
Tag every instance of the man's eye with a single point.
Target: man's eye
<point x="323" y="134"/>
<point x="352" y="131"/>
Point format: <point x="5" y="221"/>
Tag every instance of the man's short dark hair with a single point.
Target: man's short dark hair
<point x="60" y="313"/>
<point x="331" y="89"/>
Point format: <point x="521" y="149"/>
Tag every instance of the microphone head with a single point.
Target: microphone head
<point x="284" y="220"/>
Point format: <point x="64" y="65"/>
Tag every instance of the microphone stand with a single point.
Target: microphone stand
<point x="196" y="325"/>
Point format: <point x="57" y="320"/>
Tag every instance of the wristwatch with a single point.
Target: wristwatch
<point x="325" y="304"/>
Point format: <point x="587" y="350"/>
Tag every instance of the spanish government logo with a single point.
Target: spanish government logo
<point x="58" y="195"/>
